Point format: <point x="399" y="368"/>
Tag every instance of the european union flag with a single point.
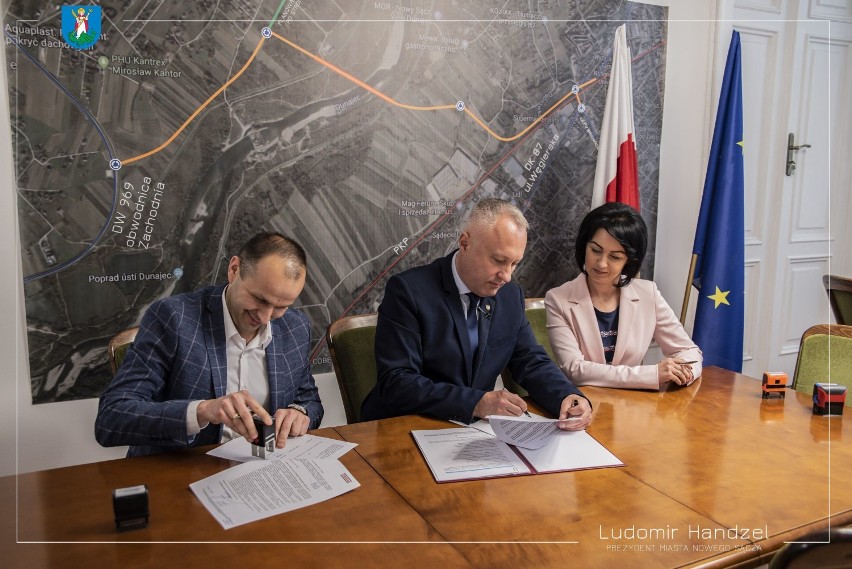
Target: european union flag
<point x="720" y="234"/>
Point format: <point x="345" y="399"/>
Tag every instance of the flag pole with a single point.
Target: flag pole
<point x="688" y="290"/>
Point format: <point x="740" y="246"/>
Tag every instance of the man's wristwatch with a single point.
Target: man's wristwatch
<point x="298" y="408"/>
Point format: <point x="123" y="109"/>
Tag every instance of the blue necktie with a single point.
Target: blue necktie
<point x="472" y="322"/>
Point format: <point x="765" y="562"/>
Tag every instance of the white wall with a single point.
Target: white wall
<point x="58" y="434"/>
<point x="61" y="434"/>
<point x="690" y="99"/>
<point x="11" y="328"/>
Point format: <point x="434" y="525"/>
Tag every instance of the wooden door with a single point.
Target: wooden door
<point x="797" y="69"/>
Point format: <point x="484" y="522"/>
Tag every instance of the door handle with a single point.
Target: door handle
<point x="792" y="147"/>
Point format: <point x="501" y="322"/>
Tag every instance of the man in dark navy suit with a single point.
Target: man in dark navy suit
<point x="446" y="330"/>
<point x="204" y="362"/>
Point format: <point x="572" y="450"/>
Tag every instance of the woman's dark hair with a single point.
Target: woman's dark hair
<point x="625" y="225"/>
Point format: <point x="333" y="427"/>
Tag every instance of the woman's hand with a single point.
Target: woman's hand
<point x="670" y="369"/>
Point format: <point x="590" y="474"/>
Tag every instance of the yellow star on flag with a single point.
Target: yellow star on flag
<point x="720" y="297"/>
<point x="742" y="146"/>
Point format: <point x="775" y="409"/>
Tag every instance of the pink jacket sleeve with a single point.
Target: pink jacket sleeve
<point x="644" y="316"/>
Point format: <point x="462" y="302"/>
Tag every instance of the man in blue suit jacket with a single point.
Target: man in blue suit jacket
<point x="204" y="362"/>
<point x="424" y="356"/>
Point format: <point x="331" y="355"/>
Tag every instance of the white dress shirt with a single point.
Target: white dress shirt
<point x="246" y="369"/>
<point x="463" y="288"/>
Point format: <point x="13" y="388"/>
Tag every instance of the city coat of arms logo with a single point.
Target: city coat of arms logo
<point x="81" y="25"/>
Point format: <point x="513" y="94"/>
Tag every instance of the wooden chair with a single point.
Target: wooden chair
<point x="351" y="343"/>
<point x="825" y="354"/>
<point x="118" y="346"/>
<point x="839" y="290"/>
<point x="534" y="308"/>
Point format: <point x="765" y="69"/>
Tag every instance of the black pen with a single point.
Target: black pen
<point x="574" y="403"/>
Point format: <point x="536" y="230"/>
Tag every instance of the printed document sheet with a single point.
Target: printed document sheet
<point x="259" y="489"/>
<point x="306" y="446"/>
<point x="463" y="454"/>
<point x="526" y="432"/>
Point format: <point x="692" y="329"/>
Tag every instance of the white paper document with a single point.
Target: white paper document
<point x="463" y="454"/>
<point x="525" y="432"/>
<point x="306" y="446"/>
<point x="570" y="450"/>
<point x="259" y="489"/>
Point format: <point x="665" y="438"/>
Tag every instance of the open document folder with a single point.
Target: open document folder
<point x="475" y="452"/>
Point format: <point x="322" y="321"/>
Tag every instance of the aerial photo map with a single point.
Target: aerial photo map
<point x="365" y="130"/>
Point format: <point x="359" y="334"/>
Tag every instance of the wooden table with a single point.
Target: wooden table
<point x="710" y="458"/>
<point x="548" y="520"/>
<point x="73" y="506"/>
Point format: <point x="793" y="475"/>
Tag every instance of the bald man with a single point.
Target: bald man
<point x="446" y="330"/>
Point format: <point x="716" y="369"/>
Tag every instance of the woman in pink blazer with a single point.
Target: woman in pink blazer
<point x="601" y="323"/>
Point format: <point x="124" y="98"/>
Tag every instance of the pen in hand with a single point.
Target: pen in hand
<point x="574" y="403"/>
<point x="527" y="413"/>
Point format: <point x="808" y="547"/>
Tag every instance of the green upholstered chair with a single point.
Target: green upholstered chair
<point x="351" y="341"/>
<point x="537" y="317"/>
<point x="816" y="364"/>
<point x="839" y="291"/>
<point x="118" y="347"/>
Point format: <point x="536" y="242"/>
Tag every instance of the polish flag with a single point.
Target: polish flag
<point x="617" y="175"/>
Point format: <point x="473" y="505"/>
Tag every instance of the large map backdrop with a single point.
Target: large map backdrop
<point x="363" y="129"/>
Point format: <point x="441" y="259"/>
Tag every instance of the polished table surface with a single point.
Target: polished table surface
<point x="713" y="455"/>
<point x="729" y="454"/>
<point x="74" y="504"/>
<point x="710" y="457"/>
<point x="546" y="520"/>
